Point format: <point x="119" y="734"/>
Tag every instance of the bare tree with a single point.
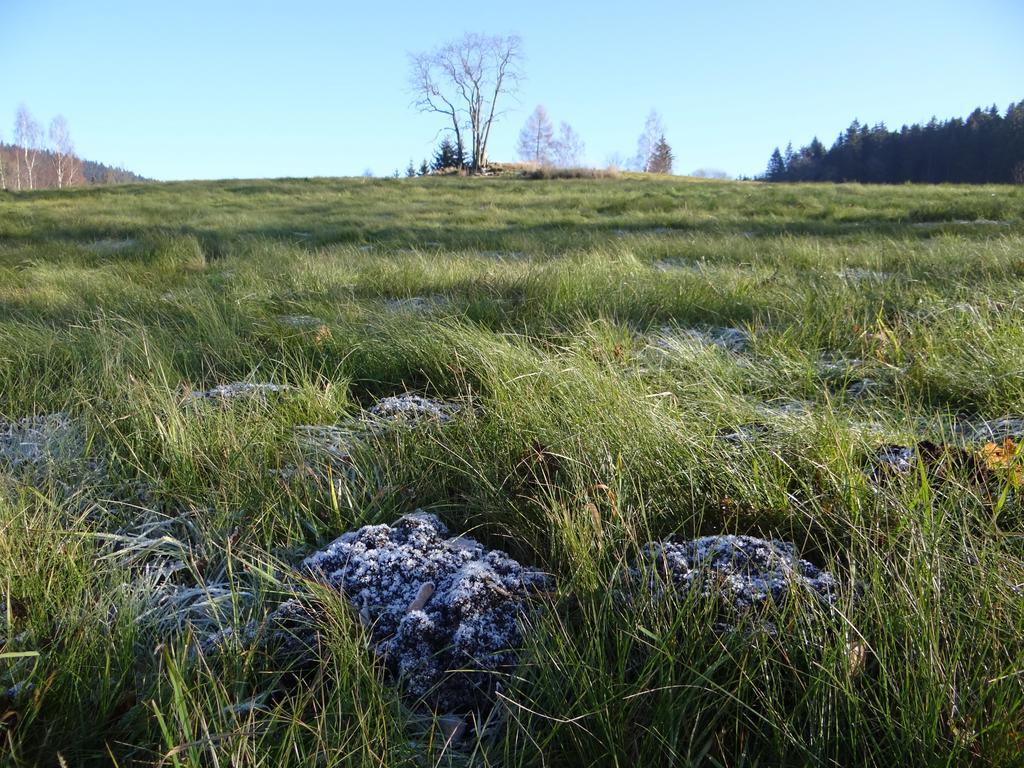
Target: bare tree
<point x="17" y="161"/>
<point x="536" y="139"/>
<point x="569" y="147"/>
<point x="27" y="135"/>
<point x="463" y="80"/>
<point x="653" y="130"/>
<point x="63" y="151"/>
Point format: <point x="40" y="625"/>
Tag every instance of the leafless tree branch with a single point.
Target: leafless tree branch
<point x="463" y="81"/>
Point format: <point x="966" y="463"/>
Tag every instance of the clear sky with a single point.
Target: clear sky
<point x="176" y="89"/>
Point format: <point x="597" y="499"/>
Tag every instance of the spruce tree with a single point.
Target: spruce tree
<point x="447" y="156"/>
<point x="776" y="167"/>
<point x="424" y="168"/>
<point x="410" y="170"/>
<point x="661" y="157"/>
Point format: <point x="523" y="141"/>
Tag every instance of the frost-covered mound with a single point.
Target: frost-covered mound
<point x="444" y="613"/>
<point x="410" y="408"/>
<point x="239" y="389"/>
<point x="743" y="571"/>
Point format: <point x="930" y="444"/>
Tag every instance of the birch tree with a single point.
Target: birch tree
<point x="26" y="137"/>
<point x="569" y="147"/>
<point x="63" y="149"/>
<point x="537" y="138"/>
<point x="653" y="130"/>
<point x="463" y="81"/>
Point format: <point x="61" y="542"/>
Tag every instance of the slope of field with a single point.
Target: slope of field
<point x="622" y="361"/>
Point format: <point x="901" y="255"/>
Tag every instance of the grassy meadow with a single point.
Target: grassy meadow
<point x="558" y="312"/>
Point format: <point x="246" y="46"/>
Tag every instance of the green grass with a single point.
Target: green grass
<point x="586" y="438"/>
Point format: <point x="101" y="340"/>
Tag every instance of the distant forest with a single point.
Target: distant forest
<point x="985" y="148"/>
<point x="85" y="172"/>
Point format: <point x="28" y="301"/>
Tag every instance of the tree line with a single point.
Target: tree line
<point x="38" y="159"/>
<point x="985" y="148"/>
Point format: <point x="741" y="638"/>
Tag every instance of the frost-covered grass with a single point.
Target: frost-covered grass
<point x="574" y="324"/>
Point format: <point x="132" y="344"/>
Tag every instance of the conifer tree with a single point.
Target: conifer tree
<point x="424" y="168"/>
<point x="661" y="157"/>
<point x="448" y="156"/>
<point x="776" y="167"/>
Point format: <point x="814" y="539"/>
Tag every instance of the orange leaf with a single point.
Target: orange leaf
<point x="1000" y="457"/>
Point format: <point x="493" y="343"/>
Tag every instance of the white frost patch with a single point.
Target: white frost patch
<point x="832" y="365"/>
<point x="161" y="585"/>
<point x="783" y="408"/>
<point x="958" y="223"/>
<point x="326" y="456"/>
<point x="897" y="459"/>
<point x="664" y="265"/>
<point x="503" y="255"/>
<point x="34" y="440"/>
<point x="300" y="321"/>
<point x="670" y="339"/>
<point x="330" y="440"/>
<point x="327" y="448"/>
<point x="237" y="389"/>
<point x="994" y="430"/>
<point x="858" y="275"/>
<point x="417" y="304"/>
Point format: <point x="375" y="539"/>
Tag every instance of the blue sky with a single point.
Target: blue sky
<point x="222" y="88"/>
